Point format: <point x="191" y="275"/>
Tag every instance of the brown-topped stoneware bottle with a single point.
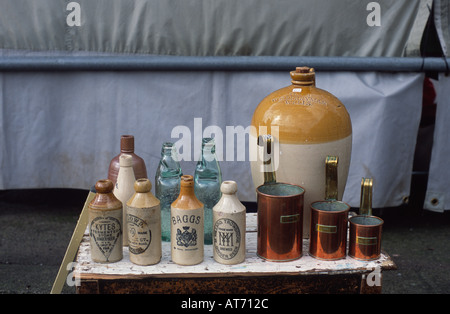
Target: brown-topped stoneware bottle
<point x="127" y="147"/>
<point x="187" y="225"/>
<point x="307" y="124"/>
<point x="105" y="224"/>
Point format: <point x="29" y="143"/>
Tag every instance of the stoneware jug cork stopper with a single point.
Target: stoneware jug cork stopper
<point x="104" y="186"/>
<point x="142" y="185"/>
<point x="125" y="160"/>
<point x="303" y="76"/>
<point x="127" y="143"/>
<point x="228" y="187"/>
<point x="303" y="69"/>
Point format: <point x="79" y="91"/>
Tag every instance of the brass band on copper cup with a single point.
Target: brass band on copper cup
<point x="280" y="221"/>
<point x="365" y="237"/>
<point x="328" y="234"/>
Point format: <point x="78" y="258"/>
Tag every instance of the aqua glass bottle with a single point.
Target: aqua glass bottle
<point x="167" y="185"/>
<point x="207" y="179"/>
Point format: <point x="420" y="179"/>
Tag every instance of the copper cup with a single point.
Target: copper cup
<point x="328" y="234"/>
<point x="280" y="221"/>
<point x="365" y="237"/>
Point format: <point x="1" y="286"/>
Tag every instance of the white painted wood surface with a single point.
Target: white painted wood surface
<point x="252" y="266"/>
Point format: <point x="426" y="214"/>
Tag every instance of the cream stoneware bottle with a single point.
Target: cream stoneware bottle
<point x="144" y="225"/>
<point x="124" y="188"/>
<point x="229" y="225"/>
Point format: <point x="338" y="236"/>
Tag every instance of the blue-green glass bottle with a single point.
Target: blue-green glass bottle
<point x="207" y="179"/>
<point x="167" y="185"/>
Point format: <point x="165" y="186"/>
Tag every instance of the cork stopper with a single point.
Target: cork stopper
<point x="303" y="76"/>
<point x="127" y="143"/>
<point x="142" y="185"/>
<point x="104" y="186"/>
<point x="228" y="187"/>
<point x="125" y="160"/>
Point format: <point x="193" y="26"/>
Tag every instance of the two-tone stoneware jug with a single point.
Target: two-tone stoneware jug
<point x="307" y="124"/>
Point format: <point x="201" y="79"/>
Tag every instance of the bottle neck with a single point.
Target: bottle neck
<point x="127" y="144"/>
<point x="303" y="76"/>
<point x="187" y="190"/>
<point x="169" y="165"/>
<point x="208" y="151"/>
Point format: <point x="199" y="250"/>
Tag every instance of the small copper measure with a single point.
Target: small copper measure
<point x="365" y="229"/>
<point x="329" y="219"/>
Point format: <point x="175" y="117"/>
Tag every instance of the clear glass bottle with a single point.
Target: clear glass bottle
<point x="167" y="185"/>
<point x="208" y="179"/>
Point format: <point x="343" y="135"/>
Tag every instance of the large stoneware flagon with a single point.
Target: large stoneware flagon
<point x="307" y="124"/>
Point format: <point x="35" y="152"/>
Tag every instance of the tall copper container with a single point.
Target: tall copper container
<point x="280" y="221"/>
<point x="365" y="237"/>
<point x="328" y="238"/>
<point x="280" y="215"/>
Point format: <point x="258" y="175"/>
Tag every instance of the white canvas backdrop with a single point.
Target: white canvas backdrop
<point x="61" y="129"/>
<point x="437" y="197"/>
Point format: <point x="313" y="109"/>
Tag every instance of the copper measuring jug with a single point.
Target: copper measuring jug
<point x="365" y="229"/>
<point x="280" y="215"/>
<point x="329" y="219"/>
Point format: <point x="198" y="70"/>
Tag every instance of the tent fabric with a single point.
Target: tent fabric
<point x="61" y="129"/>
<point x="442" y="23"/>
<point x="384" y="28"/>
<point x="437" y="197"/>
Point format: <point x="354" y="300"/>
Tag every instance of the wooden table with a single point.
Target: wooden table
<point x="255" y="275"/>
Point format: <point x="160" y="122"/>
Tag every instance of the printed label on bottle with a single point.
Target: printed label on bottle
<point x="227" y="238"/>
<point x="187" y="236"/>
<point x="106" y="231"/>
<point x="140" y="235"/>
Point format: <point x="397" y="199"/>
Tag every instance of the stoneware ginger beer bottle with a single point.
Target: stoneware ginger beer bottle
<point x="187" y="225"/>
<point x="229" y="226"/>
<point x="307" y="124"/>
<point x="105" y="224"/>
<point x="124" y="188"/>
<point x="144" y="225"/>
<point x="127" y="147"/>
